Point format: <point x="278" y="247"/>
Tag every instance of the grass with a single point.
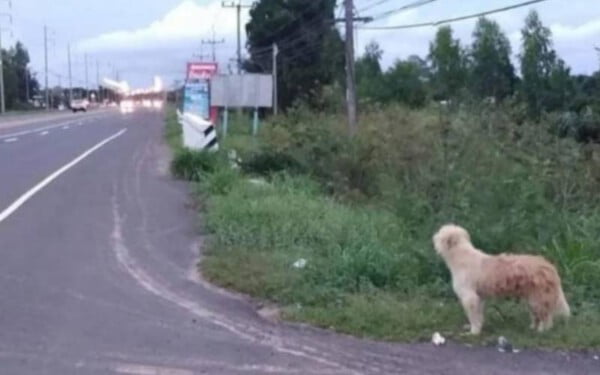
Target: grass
<point x="362" y="211"/>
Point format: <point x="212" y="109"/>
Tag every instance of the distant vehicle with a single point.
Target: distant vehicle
<point x="78" y="105"/>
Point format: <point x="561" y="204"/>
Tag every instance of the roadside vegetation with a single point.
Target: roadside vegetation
<point x="336" y="228"/>
<point x="361" y="212"/>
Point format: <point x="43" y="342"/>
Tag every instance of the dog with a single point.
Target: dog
<point x="477" y="276"/>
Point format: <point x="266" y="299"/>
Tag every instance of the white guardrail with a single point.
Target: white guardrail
<point x="198" y="134"/>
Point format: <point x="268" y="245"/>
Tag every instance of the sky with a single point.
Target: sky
<point x="143" y="38"/>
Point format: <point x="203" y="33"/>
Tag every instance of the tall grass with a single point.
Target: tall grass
<point x="362" y="210"/>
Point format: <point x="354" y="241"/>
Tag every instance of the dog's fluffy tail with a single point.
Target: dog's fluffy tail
<point x="562" y="307"/>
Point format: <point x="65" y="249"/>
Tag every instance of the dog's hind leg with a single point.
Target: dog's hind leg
<point x="473" y="306"/>
<point x="546" y="324"/>
<point x="534" y="320"/>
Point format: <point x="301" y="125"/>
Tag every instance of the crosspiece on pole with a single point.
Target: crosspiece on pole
<point x="213" y="43"/>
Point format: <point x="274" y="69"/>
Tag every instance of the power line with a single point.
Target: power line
<point x="455" y="19"/>
<point x="238" y="7"/>
<point x="412" y="5"/>
<point x="372" y="5"/>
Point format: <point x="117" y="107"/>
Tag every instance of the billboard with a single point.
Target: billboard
<point x="196" y="98"/>
<point x="197" y="89"/>
<point x="201" y="70"/>
<point x="238" y="91"/>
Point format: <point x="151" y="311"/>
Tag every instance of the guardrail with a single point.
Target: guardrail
<point x="198" y="134"/>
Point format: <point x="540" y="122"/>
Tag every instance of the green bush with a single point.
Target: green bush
<point x="192" y="165"/>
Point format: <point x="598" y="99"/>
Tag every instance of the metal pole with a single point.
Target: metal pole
<point x="70" y="75"/>
<point x="46" y="67"/>
<point x="275" y="99"/>
<point x="255" y="122"/>
<point x="2" y="97"/>
<point x="350" y="78"/>
<point x="225" y="121"/>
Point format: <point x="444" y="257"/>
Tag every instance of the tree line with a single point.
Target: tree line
<point x="20" y="85"/>
<point x="482" y="70"/>
<point x="311" y="59"/>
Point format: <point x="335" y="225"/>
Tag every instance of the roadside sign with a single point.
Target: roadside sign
<point x="196" y="98"/>
<point x="197" y="89"/>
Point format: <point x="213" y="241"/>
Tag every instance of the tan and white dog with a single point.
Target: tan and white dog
<point x="477" y="276"/>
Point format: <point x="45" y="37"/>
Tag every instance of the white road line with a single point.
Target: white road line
<point x="9" y="140"/>
<point x="45" y="182"/>
<point x="65" y="127"/>
<point x="45" y="132"/>
<point x="50" y="127"/>
<point x="25" y="132"/>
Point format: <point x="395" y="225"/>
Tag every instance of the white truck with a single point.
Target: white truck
<point x="78" y="105"/>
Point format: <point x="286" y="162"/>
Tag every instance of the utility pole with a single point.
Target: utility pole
<point x="238" y="8"/>
<point x="27" y="85"/>
<point x="99" y="97"/>
<point x="87" y="87"/>
<point x="350" y="77"/>
<point x="70" y="74"/>
<point x="2" y="98"/>
<point x="46" y="67"/>
<point x="275" y="99"/>
<point x="2" y="92"/>
<point x="213" y="42"/>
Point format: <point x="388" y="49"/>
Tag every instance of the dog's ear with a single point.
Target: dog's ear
<point x="451" y="241"/>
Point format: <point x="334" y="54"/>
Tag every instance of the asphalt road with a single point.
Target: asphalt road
<point x="98" y="247"/>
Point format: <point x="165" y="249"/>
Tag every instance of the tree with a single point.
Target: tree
<point x="368" y="73"/>
<point x="311" y="49"/>
<point x="538" y="60"/>
<point x="448" y="65"/>
<point x="492" y="73"/>
<point x="405" y="83"/>
<point x="561" y="88"/>
<point x="17" y="76"/>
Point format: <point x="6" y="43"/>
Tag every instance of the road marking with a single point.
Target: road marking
<point x="44" y="132"/>
<point x="134" y="369"/>
<point x="25" y="132"/>
<point x="34" y="190"/>
<point x="9" y="140"/>
<point x="65" y="127"/>
<point x="50" y="127"/>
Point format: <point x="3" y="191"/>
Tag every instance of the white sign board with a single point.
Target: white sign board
<point x="242" y="91"/>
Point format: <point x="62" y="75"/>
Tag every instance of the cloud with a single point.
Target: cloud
<point x="589" y="30"/>
<point x="188" y="21"/>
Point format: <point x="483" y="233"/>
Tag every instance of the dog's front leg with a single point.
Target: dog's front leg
<point x="473" y="306"/>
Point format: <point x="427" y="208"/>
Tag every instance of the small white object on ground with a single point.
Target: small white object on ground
<point x="300" y="263"/>
<point x="437" y="339"/>
<point x="257" y="181"/>
<point x="234" y="160"/>
<point x="596" y="357"/>
<point x="504" y="345"/>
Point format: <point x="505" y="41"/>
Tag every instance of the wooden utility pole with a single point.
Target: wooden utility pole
<point x="350" y="76"/>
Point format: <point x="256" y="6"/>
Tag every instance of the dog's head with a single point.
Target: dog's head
<point x="448" y="237"/>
